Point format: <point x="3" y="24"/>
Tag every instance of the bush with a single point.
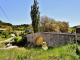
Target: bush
<point x="71" y="45"/>
<point x="77" y="50"/>
<point x="15" y="33"/>
<point x="9" y="36"/>
<point x="21" y="34"/>
<point x="19" y="40"/>
<point x="24" y="40"/>
<point x="5" y="33"/>
<point x="29" y="32"/>
<point x="12" y="32"/>
<point x="15" y="39"/>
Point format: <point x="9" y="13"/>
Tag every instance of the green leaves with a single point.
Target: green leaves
<point x="50" y="25"/>
<point x="35" y="16"/>
<point x="5" y="33"/>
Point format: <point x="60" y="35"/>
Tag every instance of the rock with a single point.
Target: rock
<point x="44" y="46"/>
<point x="13" y="35"/>
<point x="11" y="47"/>
<point x="8" y="45"/>
<point x="39" y="41"/>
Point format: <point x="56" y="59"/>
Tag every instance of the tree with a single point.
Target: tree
<point x="35" y="16"/>
<point x="65" y="27"/>
<point x="50" y="25"/>
<point x="0" y="23"/>
<point x="5" y="33"/>
<point x="9" y="29"/>
<point x="43" y="22"/>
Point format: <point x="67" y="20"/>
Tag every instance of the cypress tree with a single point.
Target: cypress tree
<point x="35" y="16"/>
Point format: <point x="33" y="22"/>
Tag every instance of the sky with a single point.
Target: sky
<point x="18" y="11"/>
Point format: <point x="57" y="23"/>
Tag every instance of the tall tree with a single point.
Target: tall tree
<point x="35" y="16"/>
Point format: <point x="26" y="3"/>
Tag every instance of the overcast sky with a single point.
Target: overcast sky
<point x="18" y="11"/>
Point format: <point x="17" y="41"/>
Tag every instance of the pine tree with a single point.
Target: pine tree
<point x="35" y="16"/>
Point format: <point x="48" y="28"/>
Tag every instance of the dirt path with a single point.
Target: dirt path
<point x="8" y="39"/>
<point x="9" y="47"/>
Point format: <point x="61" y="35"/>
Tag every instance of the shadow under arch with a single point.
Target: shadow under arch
<point x="39" y="41"/>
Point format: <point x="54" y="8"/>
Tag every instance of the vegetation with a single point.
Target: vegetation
<point x="5" y="33"/>
<point x="67" y="52"/>
<point x="19" y="40"/>
<point x="3" y="24"/>
<point x="2" y="44"/>
<point x="2" y="38"/>
<point x="9" y="29"/>
<point x="62" y="53"/>
<point x="72" y="30"/>
<point x="35" y="16"/>
<point x="50" y="25"/>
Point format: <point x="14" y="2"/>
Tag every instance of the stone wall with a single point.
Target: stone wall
<point x="51" y="38"/>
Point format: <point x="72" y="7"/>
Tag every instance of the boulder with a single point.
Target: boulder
<point x="44" y="46"/>
<point x="39" y="41"/>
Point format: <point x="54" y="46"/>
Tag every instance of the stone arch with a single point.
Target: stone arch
<point x="39" y="41"/>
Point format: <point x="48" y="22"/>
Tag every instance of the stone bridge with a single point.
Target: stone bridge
<point x="52" y="38"/>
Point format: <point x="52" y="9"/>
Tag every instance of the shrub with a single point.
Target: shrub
<point x="5" y="33"/>
<point x="15" y="33"/>
<point x="71" y="45"/>
<point x="29" y="32"/>
<point x="15" y="39"/>
<point x="12" y="32"/>
<point x="24" y="40"/>
<point x="77" y="50"/>
<point x="9" y="36"/>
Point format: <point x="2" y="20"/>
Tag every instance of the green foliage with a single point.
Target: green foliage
<point x="35" y="16"/>
<point x="71" y="45"/>
<point x="29" y="32"/>
<point x="60" y="53"/>
<point x="15" y="33"/>
<point x="5" y="33"/>
<point x="20" y="27"/>
<point x="21" y="34"/>
<point x="2" y="44"/>
<point x="72" y="30"/>
<point x="19" y="40"/>
<point x="24" y="40"/>
<point x="3" y="24"/>
<point x="77" y="50"/>
<point x="2" y="37"/>
<point x="30" y="27"/>
<point x="9" y="29"/>
<point x="50" y="25"/>
<point x="15" y="39"/>
<point x="18" y="58"/>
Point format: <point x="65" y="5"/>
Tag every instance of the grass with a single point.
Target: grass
<point x="59" y="53"/>
<point x="19" y="31"/>
<point x="2" y="38"/>
<point x="2" y="44"/>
